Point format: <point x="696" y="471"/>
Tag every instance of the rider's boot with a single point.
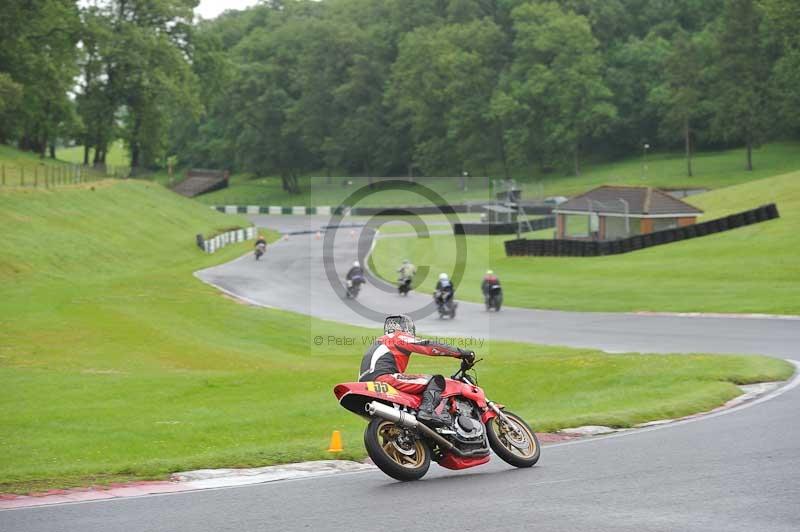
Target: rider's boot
<point x="431" y="409"/>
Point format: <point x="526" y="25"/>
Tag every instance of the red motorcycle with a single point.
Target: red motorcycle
<point x="403" y="447"/>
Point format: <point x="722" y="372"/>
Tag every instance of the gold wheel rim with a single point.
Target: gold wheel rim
<point x="387" y="439"/>
<point x="507" y="435"/>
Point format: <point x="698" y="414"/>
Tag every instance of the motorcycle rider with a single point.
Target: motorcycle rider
<point x="260" y="247"/>
<point x="355" y="272"/>
<point x="407" y="270"/>
<point x="387" y="359"/>
<point x="444" y="288"/>
<point x="489" y="280"/>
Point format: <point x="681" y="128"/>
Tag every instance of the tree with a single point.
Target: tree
<point x="782" y="20"/>
<point x="556" y="76"/>
<point x="443" y="81"/>
<point x="37" y="56"/>
<point x="741" y="74"/>
<point x="10" y="98"/>
<point x="684" y="93"/>
<point x="635" y="70"/>
<point x="264" y="91"/>
<point x="147" y="69"/>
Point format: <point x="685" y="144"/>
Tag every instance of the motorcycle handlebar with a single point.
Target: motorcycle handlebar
<point x="465" y="366"/>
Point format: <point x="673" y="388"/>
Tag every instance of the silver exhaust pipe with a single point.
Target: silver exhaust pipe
<point x="410" y="421"/>
<point x="395" y="415"/>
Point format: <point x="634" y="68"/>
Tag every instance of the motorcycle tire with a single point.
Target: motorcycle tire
<point x="502" y="447"/>
<point x="387" y="460"/>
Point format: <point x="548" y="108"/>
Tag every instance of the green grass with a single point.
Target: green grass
<point x="116" y="156"/>
<point x="116" y="363"/>
<point x="751" y="269"/>
<point x="665" y="170"/>
<point x="410" y="224"/>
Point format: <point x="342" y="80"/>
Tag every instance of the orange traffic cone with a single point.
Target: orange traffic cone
<point x="336" y="442"/>
<point x="318" y="235"/>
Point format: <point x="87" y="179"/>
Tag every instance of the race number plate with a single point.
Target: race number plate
<point x="381" y="387"/>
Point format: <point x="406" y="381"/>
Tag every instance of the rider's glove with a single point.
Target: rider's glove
<point x="467" y="356"/>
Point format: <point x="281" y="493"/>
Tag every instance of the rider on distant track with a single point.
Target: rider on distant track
<point x="407" y="270"/>
<point x="489" y="280"/>
<point x="444" y="286"/>
<point x="355" y="272"/>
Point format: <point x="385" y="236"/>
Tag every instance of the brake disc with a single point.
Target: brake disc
<point x="401" y="450"/>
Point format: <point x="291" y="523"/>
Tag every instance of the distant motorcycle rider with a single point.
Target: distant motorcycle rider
<point x="260" y="246"/>
<point x="355" y="272"/>
<point x="444" y="286"/>
<point x="489" y="280"/>
<point x="407" y="270"/>
<point x="387" y="359"/>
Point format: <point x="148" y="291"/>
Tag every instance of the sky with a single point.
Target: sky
<point x="211" y="8"/>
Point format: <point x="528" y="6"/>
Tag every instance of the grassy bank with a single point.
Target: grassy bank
<point x="751" y="269"/>
<point x="667" y="170"/>
<point x="117" y="363"/>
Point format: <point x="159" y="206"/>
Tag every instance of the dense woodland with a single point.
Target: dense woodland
<point x="388" y="87"/>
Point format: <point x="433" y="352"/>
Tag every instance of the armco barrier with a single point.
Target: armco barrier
<point x="210" y="245"/>
<point x="271" y="209"/>
<point x="530" y="209"/>
<point x="585" y="248"/>
<point x="483" y="228"/>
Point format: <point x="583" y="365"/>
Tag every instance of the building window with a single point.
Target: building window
<point x="577" y="225"/>
<point x="616" y="227"/>
<point x="660" y="224"/>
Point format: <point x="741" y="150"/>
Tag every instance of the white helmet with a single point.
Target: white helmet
<point x="356" y="264"/>
<point x="442" y="276"/>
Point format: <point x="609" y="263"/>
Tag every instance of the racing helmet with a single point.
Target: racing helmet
<point x="443" y="277"/>
<point x="489" y="272"/>
<point x="356" y="264"/>
<point x="399" y="322"/>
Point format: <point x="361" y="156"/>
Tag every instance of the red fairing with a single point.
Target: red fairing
<point x="469" y="391"/>
<point x="354" y="395"/>
<point x="451" y="461"/>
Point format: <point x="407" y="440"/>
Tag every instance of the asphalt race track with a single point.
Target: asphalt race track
<point x="732" y="472"/>
<point x="292" y="277"/>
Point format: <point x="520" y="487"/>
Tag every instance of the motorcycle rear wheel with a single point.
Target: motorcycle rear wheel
<point x="520" y="448"/>
<point x="393" y="453"/>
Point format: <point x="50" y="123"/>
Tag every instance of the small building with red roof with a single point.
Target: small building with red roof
<point x="614" y="212"/>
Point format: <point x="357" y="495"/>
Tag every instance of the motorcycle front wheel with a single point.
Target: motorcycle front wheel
<point x="395" y="451"/>
<point x="514" y="443"/>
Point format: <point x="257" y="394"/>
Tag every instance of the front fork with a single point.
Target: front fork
<point x="504" y="418"/>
